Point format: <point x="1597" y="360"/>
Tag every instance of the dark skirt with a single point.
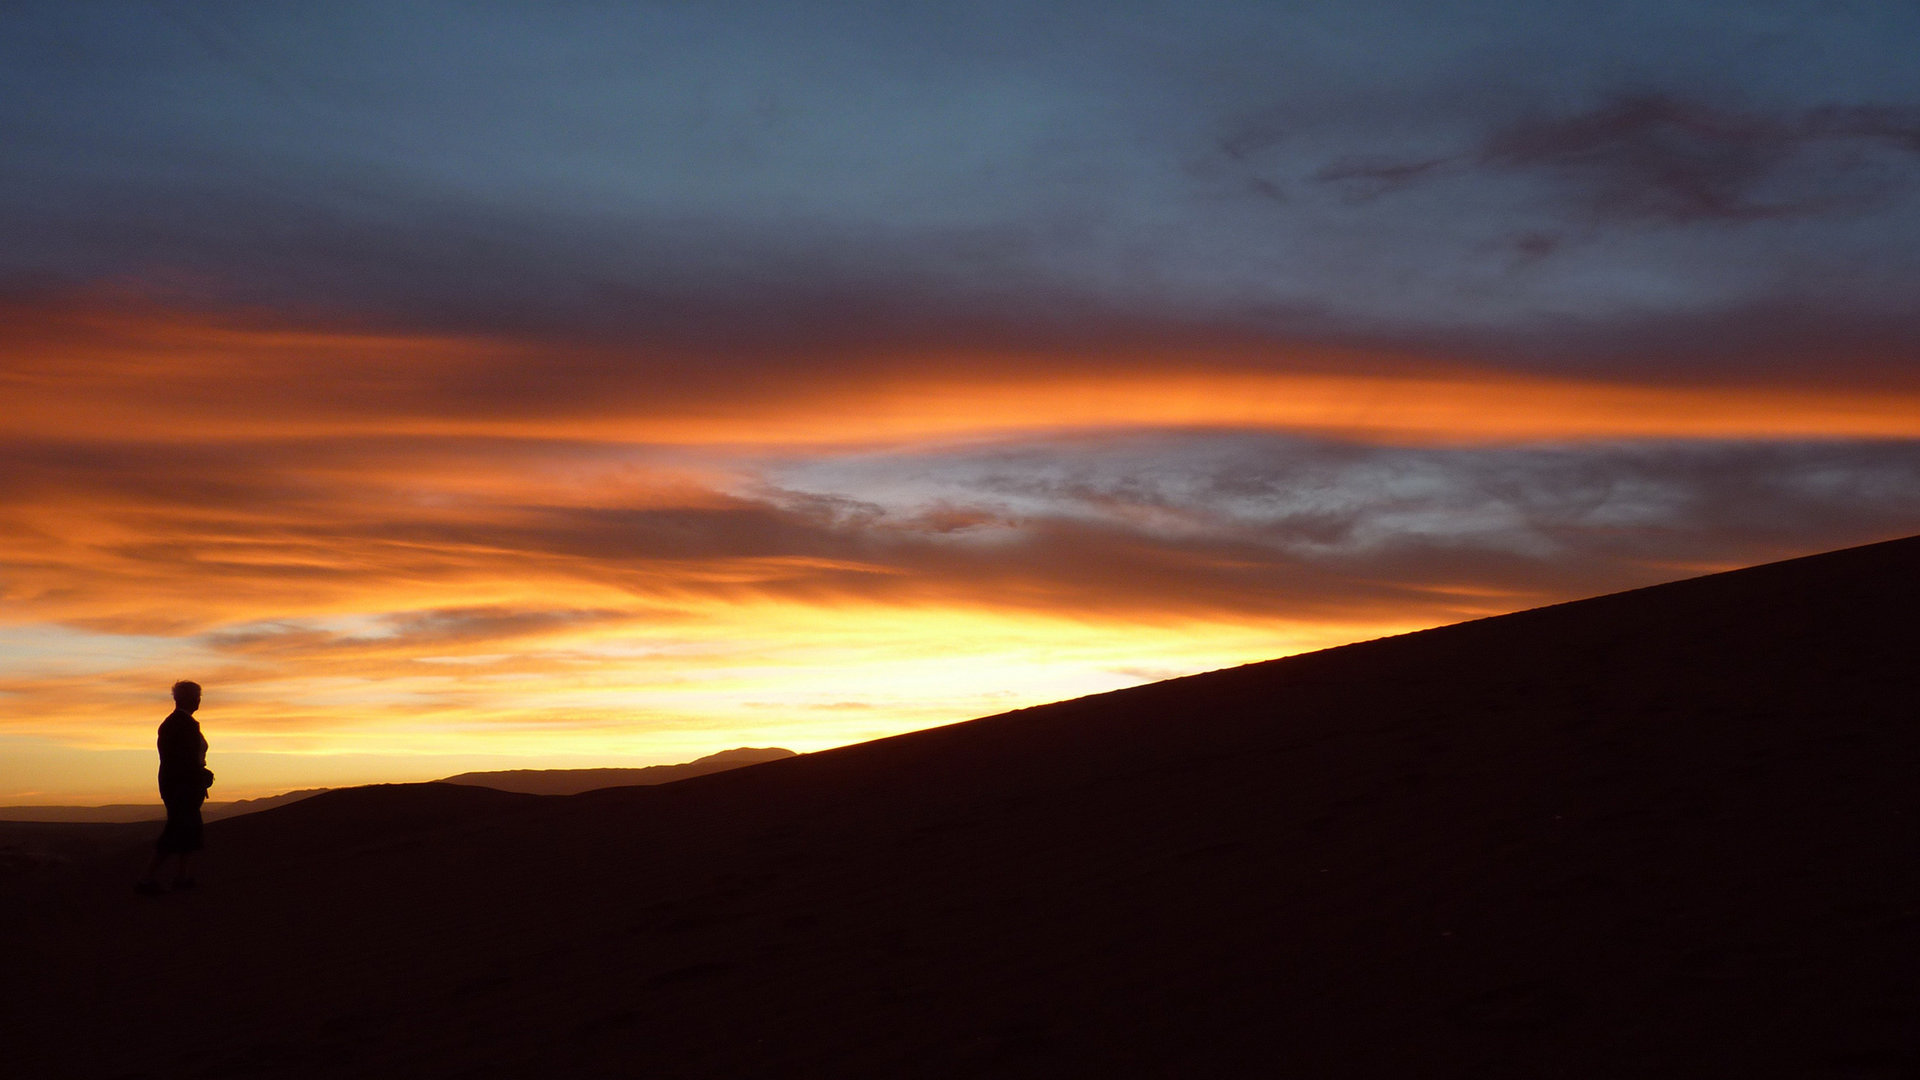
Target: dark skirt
<point x="182" y="833"/>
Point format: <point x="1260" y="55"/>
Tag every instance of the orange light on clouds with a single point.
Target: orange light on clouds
<point x="389" y="560"/>
<point x="1379" y="408"/>
<point x="163" y="376"/>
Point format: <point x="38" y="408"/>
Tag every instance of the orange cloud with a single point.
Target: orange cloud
<point x="167" y="376"/>
<point x="395" y="544"/>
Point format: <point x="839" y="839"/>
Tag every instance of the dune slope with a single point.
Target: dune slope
<point x="1665" y="833"/>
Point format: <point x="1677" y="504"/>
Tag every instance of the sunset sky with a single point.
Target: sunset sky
<point x="454" y="386"/>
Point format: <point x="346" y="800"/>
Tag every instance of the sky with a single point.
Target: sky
<point x="488" y="385"/>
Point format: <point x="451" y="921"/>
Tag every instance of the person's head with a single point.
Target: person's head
<point x="186" y="695"/>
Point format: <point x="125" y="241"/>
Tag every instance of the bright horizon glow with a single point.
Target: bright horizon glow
<point x="871" y="675"/>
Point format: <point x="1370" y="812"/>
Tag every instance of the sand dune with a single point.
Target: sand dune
<point x="1664" y="833"/>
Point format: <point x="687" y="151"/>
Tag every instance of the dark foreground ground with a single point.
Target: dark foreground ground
<point x="1665" y="833"/>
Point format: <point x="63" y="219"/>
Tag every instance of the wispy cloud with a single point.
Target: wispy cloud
<point x="1662" y="159"/>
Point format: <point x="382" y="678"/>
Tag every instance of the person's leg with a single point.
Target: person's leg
<point x="151" y="882"/>
<point x="167" y="846"/>
<point x="184" y="819"/>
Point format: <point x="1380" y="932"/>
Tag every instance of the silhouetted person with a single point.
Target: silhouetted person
<point x="184" y="780"/>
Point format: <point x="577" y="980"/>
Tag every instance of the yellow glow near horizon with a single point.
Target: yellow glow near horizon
<point x="770" y="675"/>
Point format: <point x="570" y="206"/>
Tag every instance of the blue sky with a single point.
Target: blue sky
<point x="1499" y="171"/>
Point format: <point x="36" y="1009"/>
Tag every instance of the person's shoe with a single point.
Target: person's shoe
<point x="148" y="888"/>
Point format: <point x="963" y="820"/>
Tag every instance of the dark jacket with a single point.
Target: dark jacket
<point x="183" y="758"/>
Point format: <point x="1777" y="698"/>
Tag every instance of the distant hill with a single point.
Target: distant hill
<point x="575" y="781"/>
<point x="153" y="811"/>
<point x="527" y="781"/>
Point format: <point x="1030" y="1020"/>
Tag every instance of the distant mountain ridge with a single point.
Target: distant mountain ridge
<point x="526" y="781"/>
<point x="575" y="781"/>
<point x="122" y="813"/>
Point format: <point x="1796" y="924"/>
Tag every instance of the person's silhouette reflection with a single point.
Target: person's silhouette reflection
<point x="184" y="780"/>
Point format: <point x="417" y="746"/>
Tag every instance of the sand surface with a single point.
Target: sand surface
<point x="1666" y="833"/>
